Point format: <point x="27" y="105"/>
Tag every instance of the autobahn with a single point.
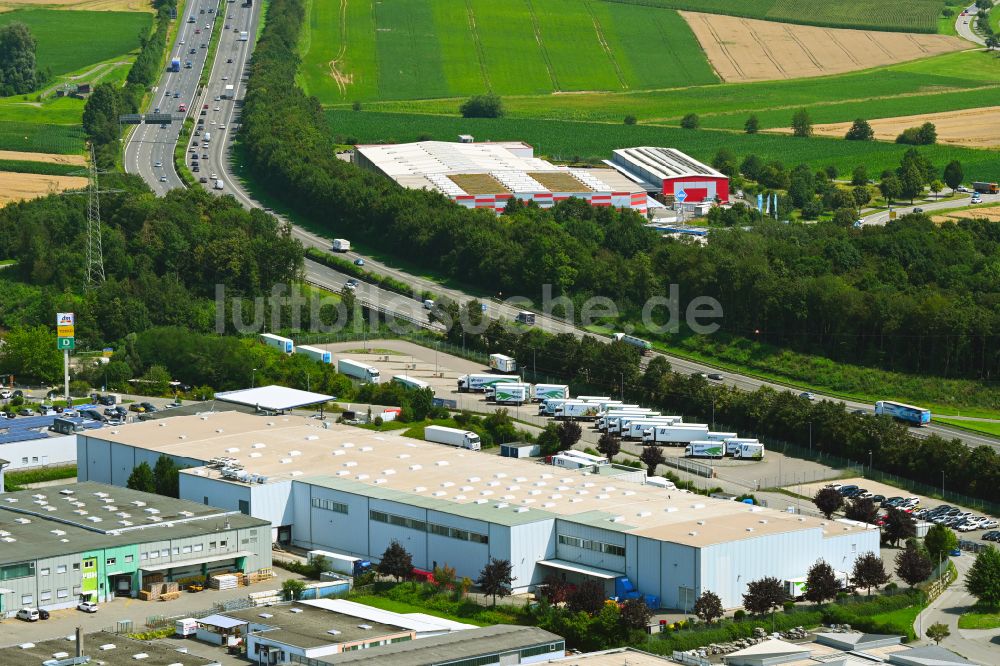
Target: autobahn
<point x="152" y="144"/>
<point x="222" y="120"/>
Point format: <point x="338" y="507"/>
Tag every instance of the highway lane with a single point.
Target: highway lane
<point x="882" y="217"/>
<point x="149" y="145"/>
<point x="963" y="25"/>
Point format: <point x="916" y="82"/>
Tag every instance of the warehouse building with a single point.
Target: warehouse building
<point x="488" y="175"/>
<point x="63" y="544"/>
<point x="669" y="171"/>
<point x="100" y="648"/>
<point x="350" y="490"/>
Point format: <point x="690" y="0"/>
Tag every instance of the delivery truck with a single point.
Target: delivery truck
<point x="638" y="343"/>
<point x="678" y="433"/>
<point x="748" y="451"/>
<point x="545" y="391"/>
<point x="548" y="407"/>
<point x="618" y="425"/>
<point x="636" y="428"/>
<point x="733" y="443"/>
<point x="315" y="353"/>
<point x="478" y="383"/>
<point x="917" y="416"/>
<point x="410" y="382"/>
<point x="501" y="363"/>
<point x="610" y="420"/>
<point x="341" y="245"/>
<point x="228" y="92"/>
<point x="463" y="439"/>
<point x="284" y="344"/>
<point x="705" y="450"/>
<point x="618" y="410"/>
<point x="573" y="459"/>
<point x="986" y="188"/>
<point x="576" y="411"/>
<point x="342" y="564"/>
<point x="358" y="370"/>
<point x="175" y="64"/>
<point x="509" y="393"/>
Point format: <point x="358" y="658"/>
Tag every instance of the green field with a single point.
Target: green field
<point x="581" y="141"/>
<point x="71" y="40"/>
<point x="893" y="15"/>
<point x="47" y="168"/>
<point x="41" y="138"/>
<point x="419" y="49"/>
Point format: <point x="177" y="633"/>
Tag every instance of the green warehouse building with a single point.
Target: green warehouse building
<point x="90" y="541"/>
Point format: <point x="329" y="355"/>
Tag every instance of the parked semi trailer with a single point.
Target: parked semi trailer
<point x="509" y="393"/>
<point x="284" y="344"/>
<point x="679" y="433"/>
<point x="903" y="412"/>
<point x="478" y="383"/>
<point x="705" y="450"/>
<point x="501" y="363"/>
<point x="410" y="382"/>
<point x="640" y="344"/>
<point x="358" y="370"/>
<point x="545" y="391"/>
<point x="463" y="439"/>
<point x="321" y="355"/>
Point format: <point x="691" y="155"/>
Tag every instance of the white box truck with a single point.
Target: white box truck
<point x="636" y="428"/>
<point x="501" y="363"/>
<point x="573" y="459"/>
<point x="342" y="564"/>
<point x="284" y="344"/>
<point x="548" y="407"/>
<point x="463" y="439"/>
<point x="605" y="417"/>
<point x="678" y="433"/>
<point x="705" y="450"/>
<point x="619" y="424"/>
<point x="509" y="393"/>
<point x="733" y="443"/>
<point x="341" y="245"/>
<point x="410" y="382"/>
<point x="244" y="35"/>
<point x="219" y="185"/>
<point x="358" y="370"/>
<point x="574" y="410"/>
<point x="545" y="391"/>
<point x="315" y="353"/>
<point x="478" y="383"/>
<point x="748" y="451"/>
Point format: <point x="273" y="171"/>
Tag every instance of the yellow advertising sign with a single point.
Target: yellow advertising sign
<point x="65" y="331"/>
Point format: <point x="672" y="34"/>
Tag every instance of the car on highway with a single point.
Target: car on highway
<point x="203" y="180"/>
<point x="359" y="262"/>
<point x="158" y="165"/>
<point x="225" y="78"/>
<point x="217" y="109"/>
<point x="222" y="127"/>
<point x="214" y="176"/>
<point x="182" y="42"/>
<point x="204" y="46"/>
<point x="163" y="179"/>
<point x="227" y="26"/>
<point x="955" y="552"/>
<point x="156" y="110"/>
<point x="229" y="61"/>
<point x="918" y="210"/>
<point x="351" y="284"/>
<point x="218" y="99"/>
<point x="195" y="168"/>
<point x="807" y="395"/>
<point x="715" y="376"/>
<point x="87" y="606"/>
<point x="197" y="31"/>
<point x="977" y="199"/>
<point x="26" y="411"/>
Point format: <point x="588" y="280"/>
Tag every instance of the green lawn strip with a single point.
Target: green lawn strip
<point x="588" y="141"/>
<point x="46" y="168"/>
<point x="213" y="44"/>
<point x="181" y="153"/>
<point x="984" y="427"/>
<point x="17" y="479"/>
<point x="980" y="619"/>
<point x="402" y="607"/>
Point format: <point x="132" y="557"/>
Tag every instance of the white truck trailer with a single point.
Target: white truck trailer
<point x="642" y="345"/>
<point x="605" y="417"/>
<point x="410" y="382"/>
<point x="315" y="353"/>
<point x="573" y="459"/>
<point x="548" y="407"/>
<point x="619" y="425"/>
<point x="283" y="344"/>
<point x="720" y="436"/>
<point x="592" y="398"/>
<point x="748" y="451"/>
<point x="342" y="564"/>
<point x="636" y="428"/>
<point x="341" y="245"/>
<point x="463" y="439"/>
<point x="734" y="443"/>
<point x="705" y="450"/>
<point x="545" y="391"/>
<point x="509" y="393"/>
<point x="576" y="411"/>
<point x="358" y="370"/>
<point x="501" y="363"/>
<point x="479" y="383"/>
<point x="678" y="433"/>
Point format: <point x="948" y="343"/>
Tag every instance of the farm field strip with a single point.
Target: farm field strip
<point x="579" y="141"/>
<point x="406" y="43"/>
<point x="580" y="62"/>
<point x="20" y="186"/>
<point x="41" y="138"/>
<point x="891" y="15"/>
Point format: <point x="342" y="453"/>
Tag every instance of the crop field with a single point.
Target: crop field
<point x="581" y="141"/>
<point x="418" y="49"/>
<point x="41" y="138"/>
<point x="20" y="186"/>
<point x="891" y="15"/>
<point x="742" y="49"/>
<point x="71" y="40"/>
<point x="976" y="128"/>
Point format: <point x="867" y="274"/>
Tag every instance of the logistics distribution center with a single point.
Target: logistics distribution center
<point x="350" y="490"/>
<point x="488" y="175"/>
<point x="669" y="171"/>
<point x="90" y="541"/>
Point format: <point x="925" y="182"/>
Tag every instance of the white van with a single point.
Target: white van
<point x="28" y="614"/>
<point x="219" y="184"/>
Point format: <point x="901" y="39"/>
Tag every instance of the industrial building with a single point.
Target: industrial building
<point x="65" y="543"/>
<point x="669" y="171"/>
<point x="99" y="648"/>
<point x="488" y="175"/>
<point x="334" y="487"/>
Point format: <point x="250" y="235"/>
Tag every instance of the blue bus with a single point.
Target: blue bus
<point x="908" y="413"/>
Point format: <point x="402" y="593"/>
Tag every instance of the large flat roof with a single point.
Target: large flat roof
<point x="308" y="626"/>
<point x="273" y="398"/>
<point x="615" y="657"/>
<point x="665" y="163"/>
<point x="469" y="483"/>
<point x="78" y="517"/>
<point x="102" y="648"/>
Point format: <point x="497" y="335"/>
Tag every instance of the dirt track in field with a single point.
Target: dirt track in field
<point x="21" y="186"/>
<point x="974" y="128"/>
<point x="51" y="158"/>
<point x="752" y="50"/>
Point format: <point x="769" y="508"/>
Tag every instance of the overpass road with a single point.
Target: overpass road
<point x="221" y="120"/>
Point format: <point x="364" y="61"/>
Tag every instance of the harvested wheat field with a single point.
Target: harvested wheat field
<point x="49" y="158"/>
<point x="21" y="186"/>
<point x="974" y="128"/>
<point x="751" y="50"/>
<point x="83" y="5"/>
<point x="991" y="213"/>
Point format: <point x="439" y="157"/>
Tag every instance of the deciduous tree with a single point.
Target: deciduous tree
<point x="828" y="501"/>
<point x="983" y="579"/>
<point x="939" y="542"/>
<point x="396" y="561"/>
<point x="752" y="125"/>
<point x="708" y="606"/>
<point x="588" y="597"/>
<point x="609" y="445"/>
<point x="869" y="571"/>
<point x="142" y="478"/>
<point x="863" y="509"/>
<point x="496" y="578"/>
<point x="912" y="565"/>
<point x="953" y="174"/>
<point x="821" y="583"/>
<point x="898" y="525"/>
<point x="802" y="123"/>
<point x="635" y="614"/>
<point x="651" y="456"/>
<point x="860" y="131"/>
<point x="937" y="632"/>
<point x="569" y="433"/>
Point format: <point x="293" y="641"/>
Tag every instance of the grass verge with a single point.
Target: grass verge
<point x="980" y="618"/>
<point x="213" y="45"/>
<point x="180" y="154"/>
<point x="16" y="480"/>
<point x="984" y="427"/>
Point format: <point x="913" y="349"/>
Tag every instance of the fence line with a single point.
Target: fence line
<point x="240" y="603"/>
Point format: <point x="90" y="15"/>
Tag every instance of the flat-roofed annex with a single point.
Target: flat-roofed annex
<point x="490" y="487"/>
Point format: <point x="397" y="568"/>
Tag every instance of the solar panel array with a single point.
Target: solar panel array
<point x="591" y="181"/>
<point x="26" y="428"/>
<point x="518" y="181"/>
<point x="664" y="163"/>
<point x="445" y="185"/>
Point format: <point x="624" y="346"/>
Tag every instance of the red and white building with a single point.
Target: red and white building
<point x="668" y="170"/>
<point x="488" y="175"/>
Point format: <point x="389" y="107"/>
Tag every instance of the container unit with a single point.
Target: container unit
<point x="501" y="363"/>
<point x="463" y="439"/>
<point x="285" y="345"/>
<point x="479" y="383"/>
<point x="315" y="353"/>
<point x="363" y="371"/>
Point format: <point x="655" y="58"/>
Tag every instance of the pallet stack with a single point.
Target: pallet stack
<point x="265" y="597"/>
<point x="225" y="581"/>
<point x="159" y="591"/>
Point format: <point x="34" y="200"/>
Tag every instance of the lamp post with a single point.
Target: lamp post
<point x="253" y="375"/>
<point x="869" y="463"/>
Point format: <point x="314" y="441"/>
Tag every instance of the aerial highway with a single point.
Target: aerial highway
<point x="221" y="107"/>
<point x="149" y="150"/>
<point x="964" y="23"/>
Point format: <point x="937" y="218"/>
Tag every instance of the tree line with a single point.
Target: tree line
<point x="19" y="72"/>
<point x="851" y="296"/>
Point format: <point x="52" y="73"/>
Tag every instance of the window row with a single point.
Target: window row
<point x="177" y="550"/>
<point x="329" y="505"/>
<point x="589" y="544"/>
<point x="433" y="528"/>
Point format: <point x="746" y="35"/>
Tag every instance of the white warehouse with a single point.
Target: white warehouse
<point x="350" y="490"/>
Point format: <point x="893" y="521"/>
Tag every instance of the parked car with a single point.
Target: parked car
<point x="136" y="407"/>
<point x="87" y="606"/>
<point x="148" y="407"/>
<point x="29" y="615"/>
<point x="26" y="411"/>
<point x="43" y="614"/>
<point x="955" y="552"/>
<point x="846" y="489"/>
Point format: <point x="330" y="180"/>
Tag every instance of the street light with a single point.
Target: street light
<point x="869" y="462"/>
<point x="253" y="375"/>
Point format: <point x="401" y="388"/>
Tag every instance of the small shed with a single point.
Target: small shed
<point x="520" y="450"/>
<point x="217" y="629"/>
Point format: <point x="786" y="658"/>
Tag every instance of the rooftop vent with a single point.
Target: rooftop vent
<point x="416" y="468"/>
<point x="233" y="449"/>
<point x="419" y="489"/>
<point x="701" y="522"/>
<point x="347" y="445"/>
<point x="692" y="534"/>
<point x="333" y="632"/>
<point x="521" y="509"/>
<point x="473" y="479"/>
<point x="447" y="484"/>
<point x="265" y="615"/>
<point x="404" y="456"/>
<point x="312" y="438"/>
<point x="366" y="627"/>
<point x="442" y="463"/>
<point x="479" y="501"/>
<point x="258" y="445"/>
<point x="643" y="514"/>
<point x="294" y="610"/>
<point x="502" y="505"/>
